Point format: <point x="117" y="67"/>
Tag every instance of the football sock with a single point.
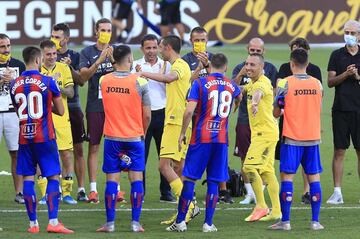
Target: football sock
<point x="42" y="184"/>
<point x="110" y="200"/>
<point x="211" y="201"/>
<point x="30" y="199"/>
<point x="136" y="198"/>
<point x="187" y="195"/>
<point x="249" y="189"/>
<point x="286" y="197"/>
<point x="52" y="194"/>
<point x="54" y="222"/>
<point x="93" y="187"/>
<point x="176" y="187"/>
<point x="337" y="190"/>
<point x="66" y="186"/>
<point x="81" y="189"/>
<point x="316" y="197"/>
<point x="257" y="185"/>
<point x="273" y="190"/>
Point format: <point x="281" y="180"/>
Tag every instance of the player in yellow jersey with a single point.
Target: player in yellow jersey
<point x="177" y="85"/>
<point x="61" y="72"/>
<point x="259" y="160"/>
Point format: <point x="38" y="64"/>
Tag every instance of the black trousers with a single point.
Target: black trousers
<point x="155" y="131"/>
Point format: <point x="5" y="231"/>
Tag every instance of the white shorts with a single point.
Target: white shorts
<point x="9" y="125"/>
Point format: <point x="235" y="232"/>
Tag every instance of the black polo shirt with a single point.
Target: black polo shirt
<point x="311" y="70"/>
<point x="347" y="94"/>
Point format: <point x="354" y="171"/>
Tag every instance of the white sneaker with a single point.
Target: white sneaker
<point x="136" y="227"/>
<point x="207" y="228"/>
<point x="316" y="226"/>
<point x="177" y="227"/>
<point x="249" y="199"/>
<point x="284" y="226"/>
<point x="335" y="198"/>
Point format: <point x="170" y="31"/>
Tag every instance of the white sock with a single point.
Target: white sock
<point x="81" y="189"/>
<point x="54" y="221"/>
<point x="337" y="190"/>
<point x="263" y="187"/>
<point x="34" y="223"/>
<point x="93" y="187"/>
<point x="249" y="190"/>
<point x="118" y="187"/>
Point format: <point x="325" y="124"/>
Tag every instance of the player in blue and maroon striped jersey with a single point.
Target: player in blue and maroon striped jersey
<point x="34" y="97"/>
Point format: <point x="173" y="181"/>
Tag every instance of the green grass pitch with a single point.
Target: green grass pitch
<point x="339" y="222"/>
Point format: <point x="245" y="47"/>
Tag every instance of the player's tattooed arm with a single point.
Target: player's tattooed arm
<point x="68" y="91"/>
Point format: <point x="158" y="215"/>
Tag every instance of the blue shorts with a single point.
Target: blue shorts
<point x="120" y="156"/>
<point x="291" y="156"/>
<point x="210" y="156"/>
<point x="45" y="155"/>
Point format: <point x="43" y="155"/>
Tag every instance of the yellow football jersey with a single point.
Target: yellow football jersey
<point x="62" y="74"/>
<point x="176" y="93"/>
<point x="263" y="124"/>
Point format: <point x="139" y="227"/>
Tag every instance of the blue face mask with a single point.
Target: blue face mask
<point x="350" y="40"/>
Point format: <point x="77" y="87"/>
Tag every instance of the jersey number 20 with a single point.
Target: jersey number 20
<point x="222" y="106"/>
<point x="34" y="104"/>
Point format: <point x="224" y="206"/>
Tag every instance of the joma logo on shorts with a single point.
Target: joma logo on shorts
<point x="118" y="90"/>
<point x="305" y="92"/>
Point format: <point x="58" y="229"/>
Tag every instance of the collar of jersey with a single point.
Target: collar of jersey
<point x="30" y="72"/>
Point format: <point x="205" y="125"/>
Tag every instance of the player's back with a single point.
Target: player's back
<point x="32" y="95"/>
<point x="214" y="95"/>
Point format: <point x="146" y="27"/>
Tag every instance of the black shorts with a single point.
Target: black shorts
<point x="77" y="126"/>
<point x="243" y="135"/>
<point x="121" y="11"/>
<point x="346" y="125"/>
<point x="277" y="149"/>
<point x="170" y="13"/>
<point x="95" y="126"/>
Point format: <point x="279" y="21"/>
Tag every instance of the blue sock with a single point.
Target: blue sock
<point x="30" y="199"/>
<point x="286" y="197"/>
<point x="110" y="200"/>
<point x="136" y="197"/>
<point x="211" y="201"/>
<point x="187" y="194"/>
<point x="52" y="195"/>
<point x="316" y="197"/>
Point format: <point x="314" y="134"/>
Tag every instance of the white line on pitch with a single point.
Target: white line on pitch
<point x="172" y="209"/>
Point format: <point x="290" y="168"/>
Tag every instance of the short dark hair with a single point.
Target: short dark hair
<point x="197" y="30"/>
<point x="261" y="57"/>
<point x="47" y="44"/>
<point x="219" y="60"/>
<point x="62" y="27"/>
<point x="173" y="41"/>
<point x="102" y="20"/>
<point x="120" y="52"/>
<point x="4" y="36"/>
<point x="299" y="57"/>
<point x="300" y="43"/>
<point x="149" y="37"/>
<point x="30" y="53"/>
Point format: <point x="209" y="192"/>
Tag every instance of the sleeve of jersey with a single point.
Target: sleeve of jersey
<point x="194" y="92"/>
<point x="237" y="90"/>
<point x="178" y="70"/>
<point x="281" y="90"/>
<point x="68" y="80"/>
<point x="84" y="60"/>
<point x="143" y="88"/>
<point x="54" y="87"/>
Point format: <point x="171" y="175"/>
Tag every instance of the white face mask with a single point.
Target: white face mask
<point x="350" y="40"/>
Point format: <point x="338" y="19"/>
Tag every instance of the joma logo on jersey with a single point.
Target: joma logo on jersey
<point x="118" y="90"/>
<point x="305" y="92"/>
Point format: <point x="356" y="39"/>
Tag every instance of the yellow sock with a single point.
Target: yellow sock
<point x="176" y="187"/>
<point x="66" y="187"/>
<point x="257" y="185"/>
<point x="273" y="189"/>
<point x="42" y="184"/>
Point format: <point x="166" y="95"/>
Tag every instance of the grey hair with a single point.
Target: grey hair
<point x="352" y="23"/>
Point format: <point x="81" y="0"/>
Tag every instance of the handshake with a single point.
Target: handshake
<point x="280" y="99"/>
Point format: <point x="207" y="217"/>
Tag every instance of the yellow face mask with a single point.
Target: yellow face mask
<point x="4" y="58"/>
<point x="56" y="42"/>
<point x="199" y="46"/>
<point x="104" y="37"/>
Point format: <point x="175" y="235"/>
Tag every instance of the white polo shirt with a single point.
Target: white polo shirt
<point x="156" y="89"/>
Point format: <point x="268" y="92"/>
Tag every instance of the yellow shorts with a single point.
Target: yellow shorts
<point x="169" y="142"/>
<point x="64" y="138"/>
<point x="261" y="155"/>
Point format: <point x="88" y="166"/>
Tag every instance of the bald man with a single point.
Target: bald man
<point x="255" y="45"/>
